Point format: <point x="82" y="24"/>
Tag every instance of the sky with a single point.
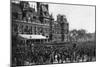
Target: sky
<point x="79" y="17"/>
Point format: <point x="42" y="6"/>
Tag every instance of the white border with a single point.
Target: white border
<point x="5" y="33"/>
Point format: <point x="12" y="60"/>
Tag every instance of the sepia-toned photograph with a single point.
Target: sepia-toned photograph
<point x="44" y="33"/>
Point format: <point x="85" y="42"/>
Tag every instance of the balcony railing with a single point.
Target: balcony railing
<point x="32" y="22"/>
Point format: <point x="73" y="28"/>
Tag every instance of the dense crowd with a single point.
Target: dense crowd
<point x="37" y="55"/>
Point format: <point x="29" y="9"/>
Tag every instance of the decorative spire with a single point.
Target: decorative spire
<point x="51" y="16"/>
<point x="34" y="8"/>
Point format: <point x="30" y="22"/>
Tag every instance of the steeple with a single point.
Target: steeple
<point x="51" y="16"/>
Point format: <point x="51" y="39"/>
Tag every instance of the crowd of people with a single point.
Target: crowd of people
<point x="52" y="54"/>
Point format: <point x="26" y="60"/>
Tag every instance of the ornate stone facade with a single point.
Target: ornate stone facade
<point x="27" y="20"/>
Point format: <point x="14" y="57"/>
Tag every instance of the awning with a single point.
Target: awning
<point x="27" y="36"/>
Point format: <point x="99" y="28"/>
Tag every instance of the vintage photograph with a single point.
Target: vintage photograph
<point x="52" y="33"/>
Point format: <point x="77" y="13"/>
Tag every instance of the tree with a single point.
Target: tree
<point x="75" y="35"/>
<point x="81" y="32"/>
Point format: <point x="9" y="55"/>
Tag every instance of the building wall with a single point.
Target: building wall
<point x="30" y="28"/>
<point x="37" y="27"/>
<point x="57" y="31"/>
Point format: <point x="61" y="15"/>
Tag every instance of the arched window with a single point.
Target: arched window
<point x="35" y="30"/>
<point x="14" y="15"/>
<point x="15" y="28"/>
<point x="26" y="29"/>
<point x="22" y="29"/>
<point x="31" y="30"/>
